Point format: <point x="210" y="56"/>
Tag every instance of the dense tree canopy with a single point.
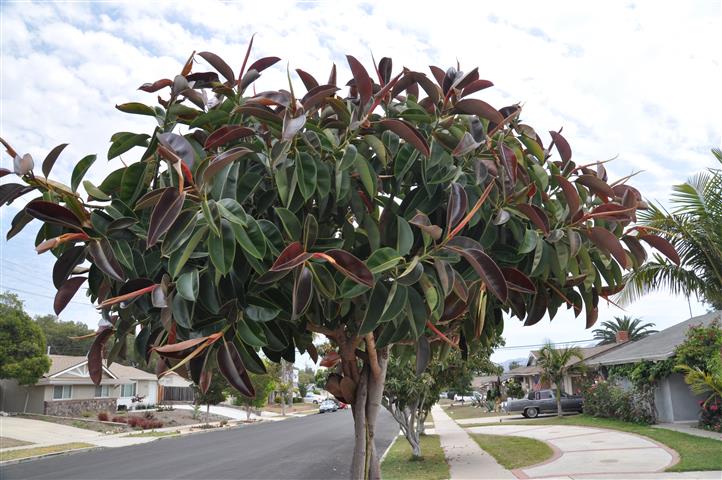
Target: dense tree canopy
<point x="22" y="344"/>
<point x="58" y="335"/>
<point x="402" y="210"/>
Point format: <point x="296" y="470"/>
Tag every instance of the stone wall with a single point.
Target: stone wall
<point x="74" y="408"/>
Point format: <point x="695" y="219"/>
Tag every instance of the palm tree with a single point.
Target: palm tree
<point x="694" y="227"/>
<point x="557" y="362"/>
<point x="636" y="331"/>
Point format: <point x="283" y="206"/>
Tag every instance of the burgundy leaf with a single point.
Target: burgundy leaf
<point x="204" y="381"/>
<point x="597" y="185"/>
<point x="308" y="81"/>
<point x="456" y="208"/>
<point x="181" y="346"/>
<point x="53" y="213"/>
<point x="473" y="106"/>
<point x="408" y="133"/>
<point x="227" y="134"/>
<point x="11" y="191"/>
<point x="662" y="245"/>
<point x="51" y="158"/>
<point x="291" y="257"/>
<point x="350" y="266"/>
<point x="272" y="98"/>
<point x="635" y="248"/>
<point x="157" y="85"/>
<point x="464" y="243"/>
<point x="536" y="215"/>
<point x="4" y="171"/>
<point x="103" y="258"/>
<point x="302" y="290"/>
<point x="179" y="145"/>
<point x="621" y="190"/>
<point x="164" y="214"/>
<point x="66" y="292"/>
<point x="316" y="95"/>
<point x="263" y="63"/>
<point x="460" y="288"/>
<point x="362" y="79"/>
<point x="330" y="359"/>
<point x="516" y="280"/>
<point x="467" y="79"/>
<point x="466" y="144"/>
<point x="488" y="271"/>
<point x="613" y="211"/>
<point x="570" y="194"/>
<point x="438" y="74"/>
<point x="565" y="151"/>
<point x="219" y="64"/>
<point x="223" y="159"/>
<point x="232" y="368"/>
<point x="475" y="86"/>
<point x="95" y="356"/>
<point x="422" y="221"/>
<point x="332" y="75"/>
<point x="608" y="243"/>
<point x="538" y="309"/>
<point x="66" y="263"/>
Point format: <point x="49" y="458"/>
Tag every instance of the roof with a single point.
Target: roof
<point x="657" y="346"/>
<point x="486" y="379"/>
<point x="587" y="353"/>
<point x="61" y="363"/>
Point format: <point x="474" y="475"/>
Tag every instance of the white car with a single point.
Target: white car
<point x="313" y="398"/>
<point x="327" y="406"/>
<point x="464" y="398"/>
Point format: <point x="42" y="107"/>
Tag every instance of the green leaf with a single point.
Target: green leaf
<point x="212" y="216"/>
<point x="187" y="285"/>
<point x="94" y="191"/>
<point x="132" y="183"/>
<point x="404" y="236"/>
<point x="374" y="309"/>
<point x="80" y="170"/>
<point x="418" y="314"/>
<point x="179" y="258"/>
<point x="306" y="173"/>
<point x="222" y="249"/>
<point x="383" y="259"/>
<point x="136" y="108"/>
<point x="530" y="241"/>
<point x="244" y="239"/>
<point x="348" y="159"/>
<point x="395" y="302"/>
<point x="182" y="313"/>
<point x="251" y="334"/>
<point x="231" y="210"/>
<point x="261" y="313"/>
<point x="378" y="147"/>
<point x="368" y="176"/>
<point x="290" y="223"/>
<point x="124" y="141"/>
<point x="179" y="232"/>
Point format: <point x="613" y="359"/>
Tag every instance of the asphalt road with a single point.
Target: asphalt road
<point x="311" y="447"/>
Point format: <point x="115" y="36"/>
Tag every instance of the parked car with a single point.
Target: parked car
<point x="467" y="398"/>
<point x="327" y="406"/>
<point x="313" y="398"/>
<point x="543" y="401"/>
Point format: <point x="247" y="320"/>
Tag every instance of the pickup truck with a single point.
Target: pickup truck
<point x="543" y="401"/>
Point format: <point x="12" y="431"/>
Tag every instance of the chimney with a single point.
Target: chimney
<point x="621" y="336"/>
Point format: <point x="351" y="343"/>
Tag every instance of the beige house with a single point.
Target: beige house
<point x="67" y="389"/>
<point x="530" y="375"/>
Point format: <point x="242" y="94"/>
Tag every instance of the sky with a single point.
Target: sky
<point x="637" y="81"/>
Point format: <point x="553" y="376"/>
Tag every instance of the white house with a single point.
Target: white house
<point x="67" y="389"/>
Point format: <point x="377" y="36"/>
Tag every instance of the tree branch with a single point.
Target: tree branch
<point x="373" y="357"/>
<point x="322" y="330"/>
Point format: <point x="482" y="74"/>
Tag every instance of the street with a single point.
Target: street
<point x="315" y="446"/>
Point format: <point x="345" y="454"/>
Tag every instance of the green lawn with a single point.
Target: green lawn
<point x="696" y="453"/>
<point x="398" y="463"/>
<point x="31" y="452"/>
<point x="514" y="452"/>
<point x="467" y="411"/>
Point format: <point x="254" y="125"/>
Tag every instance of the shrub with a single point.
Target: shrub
<point x="710" y="418"/>
<point x="120" y="419"/>
<point x="607" y="400"/>
<point x="134" y="421"/>
<point x="86" y="414"/>
<point x="297" y="400"/>
<point x="223" y="422"/>
<point x="103" y="416"/>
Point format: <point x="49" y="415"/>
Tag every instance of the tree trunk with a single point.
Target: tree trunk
<point x="365" y="408"/>
<point x="559" y="401"/>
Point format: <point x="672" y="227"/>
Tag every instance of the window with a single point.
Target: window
<point x="102" y="390"/>
<point x="546" y="395"/>
<point x="127" y="390"/>
<point x="61" y="392"/>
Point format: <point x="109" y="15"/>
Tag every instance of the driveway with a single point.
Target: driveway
<point x="588" y="451"/>
<point x="310" y="447"/>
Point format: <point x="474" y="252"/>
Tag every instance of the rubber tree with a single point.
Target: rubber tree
<point x="376" y="214"/>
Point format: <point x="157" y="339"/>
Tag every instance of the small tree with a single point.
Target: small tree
<point x="265" y="384"/>
<point x="633" y="326"/>
<point x="211" y="393"/>
<point x="513" y="389"/>
<point x="379" y="216"/>
<point x="22" y="344"/>
<point x="556" y="363"/>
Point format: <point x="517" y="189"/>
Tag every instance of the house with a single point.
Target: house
<point x="67" y="389"/>
<point x="672" y="397"/>
<point x="529" y="376"/>
<point x="172" y="388"/>
<point x="485" y="383"/>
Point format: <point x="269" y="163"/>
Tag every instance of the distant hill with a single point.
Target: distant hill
<point x="506" y="363"/>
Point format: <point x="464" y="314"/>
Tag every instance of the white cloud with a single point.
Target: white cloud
<point x="637" y="80"/>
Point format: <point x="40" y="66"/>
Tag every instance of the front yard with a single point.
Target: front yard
<point x="514" y="452"/>
<point x="399" y="464"/>
<point x="696" y="453"/>
<point x="32" y="452"/>
<point x="458" y="412"/>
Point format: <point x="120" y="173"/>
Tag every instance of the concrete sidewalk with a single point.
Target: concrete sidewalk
<point x="586" y="451"/>
<point x="466" y="459"/>
<point x="691" y="429"/>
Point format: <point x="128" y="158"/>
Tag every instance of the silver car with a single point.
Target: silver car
<point x="543" y="401"/>
<point x="327" y="406"/>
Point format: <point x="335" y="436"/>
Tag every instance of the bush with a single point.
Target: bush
<point x="297" y="400"/>
<point x="144" y="423"/>
<point x="86" y="414"/>
<point x="103" y="416"/>
<point x="710" y="418"/>
<point x="223" y="422"/>
<point x="120" y="419"/>
<point x="607" y="400"/>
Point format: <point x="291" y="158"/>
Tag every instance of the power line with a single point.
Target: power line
<point x="2" y="287"/>
<point x="542" y="344"/>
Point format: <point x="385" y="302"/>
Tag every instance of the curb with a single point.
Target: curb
<point x="388" y="449"/>
<point x="53" y="454"/>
